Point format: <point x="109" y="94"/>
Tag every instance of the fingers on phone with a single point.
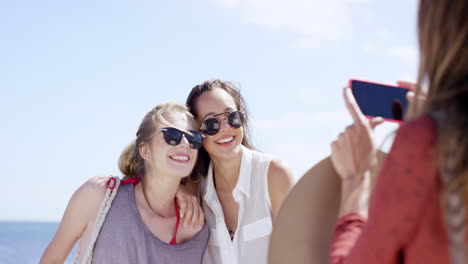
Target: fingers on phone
<point x="374" y="122"/>
<point x="410" y="96"/>
<point x="352" y="106"/>
<point x="406" y="84"/>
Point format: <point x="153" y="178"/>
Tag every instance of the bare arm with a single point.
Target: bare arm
<point x="79" y="215"/>
<point x="191" y="212"/>
<point x="404" y="187"/>
<point x="352" y="154"/>
<point x="280" y="181"/>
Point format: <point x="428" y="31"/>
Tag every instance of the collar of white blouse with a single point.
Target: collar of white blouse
<point x="243" y="183"/>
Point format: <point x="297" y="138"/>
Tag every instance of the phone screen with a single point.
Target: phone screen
<point x="381" y="100"/>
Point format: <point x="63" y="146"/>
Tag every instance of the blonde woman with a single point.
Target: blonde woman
<point x="142" y="224"/>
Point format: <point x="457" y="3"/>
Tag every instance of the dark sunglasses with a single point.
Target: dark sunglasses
<point x="212" y="125"/>
<point x="173" y="136"/>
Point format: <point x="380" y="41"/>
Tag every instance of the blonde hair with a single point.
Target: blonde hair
<point x="131" y="164"/>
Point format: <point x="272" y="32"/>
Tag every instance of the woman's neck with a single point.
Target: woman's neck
<point x="226" y="172"/>
<point x="159" y="193"/>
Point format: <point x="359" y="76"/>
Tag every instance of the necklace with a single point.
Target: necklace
<point x="174" y="237"/>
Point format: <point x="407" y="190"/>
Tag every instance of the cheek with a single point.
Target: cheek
<point x="195" y="157"/>
<point x="159" y="157"/>
<point x="242" y="131"/>
<point x="160" y="149"/>
<point x="209" y="141"/>
<point x="240" y="134"/>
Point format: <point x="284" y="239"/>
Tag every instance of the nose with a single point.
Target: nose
<point x="224" y="123"/>
<point x="184" y="142"/>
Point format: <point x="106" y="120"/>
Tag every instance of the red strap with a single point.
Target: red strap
<point x="111" y="183"/>
<point x="134" y="180"/>
<point x="174" y="241"/>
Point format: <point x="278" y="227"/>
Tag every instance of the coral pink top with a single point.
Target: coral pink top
<point x="405" y="223"/>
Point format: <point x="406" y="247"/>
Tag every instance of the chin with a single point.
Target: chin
<point x="229" y="153"/>
<point x="180" y="171"/>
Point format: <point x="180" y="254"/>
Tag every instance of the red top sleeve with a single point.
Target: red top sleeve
<point x="401" y="193"/>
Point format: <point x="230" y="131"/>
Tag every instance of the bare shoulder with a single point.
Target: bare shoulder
<point x="280" y="181"/>
<point x="307" y="218"/>
<point x="279" y="174"/>
<point x="77" y="220"/>
<point x="95" y="186"/>
<point x="89" y="196"/>
<point x="86" y="201"/>
<point x="96" y="183"/>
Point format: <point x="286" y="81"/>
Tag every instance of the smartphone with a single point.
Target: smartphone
<point x="386" y="101"/>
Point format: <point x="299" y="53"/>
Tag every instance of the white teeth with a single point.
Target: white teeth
<point x="225" y="140"/>
<point x="179" y="157"/>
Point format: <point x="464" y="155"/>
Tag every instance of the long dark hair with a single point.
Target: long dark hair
<point x="203" y="158"/>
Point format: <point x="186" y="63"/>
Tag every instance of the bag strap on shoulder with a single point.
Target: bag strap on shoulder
<point x="112" y="186"/>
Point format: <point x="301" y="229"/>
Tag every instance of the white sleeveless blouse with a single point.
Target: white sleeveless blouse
<point x="254" y="224"/>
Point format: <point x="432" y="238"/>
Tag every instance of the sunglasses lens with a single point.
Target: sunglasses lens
<point x="172" y="136"/>
<point x="236" y="119"/>
<point x="195" y="139"/>
<point x="211" y="126"/>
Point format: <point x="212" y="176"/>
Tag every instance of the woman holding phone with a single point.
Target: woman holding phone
<point x="142" y="223"/>
<point x="242" y="189"/>
<point x="418" y="207"/>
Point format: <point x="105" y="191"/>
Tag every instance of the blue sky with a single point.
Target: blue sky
<point x="77" y="77"/>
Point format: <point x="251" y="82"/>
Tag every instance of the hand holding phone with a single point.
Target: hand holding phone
<point x="386" y="101"/>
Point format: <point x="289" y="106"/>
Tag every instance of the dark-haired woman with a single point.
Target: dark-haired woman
<point x="242" y="189"/>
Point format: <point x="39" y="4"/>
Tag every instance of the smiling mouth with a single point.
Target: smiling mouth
<point x="179" y="157"/>
<point x="225" y="140"/>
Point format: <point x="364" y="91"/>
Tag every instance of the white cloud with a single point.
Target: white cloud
<point x="311" y="95"/>
<point x="372" y="48"/>
<point x="310" y="21"/>
<point x="227" y="3"/>
<point x="296" y="120"/>
<point x="407" y="54"/>
<point x="384" y="35"/>
<point x="358" y="1"/>
<point x="301" y="154"/>
<point x="306" y="18"/>
<point x="301" y="139"/>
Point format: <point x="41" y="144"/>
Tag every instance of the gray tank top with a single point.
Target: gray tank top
<point x="124" y="238"/>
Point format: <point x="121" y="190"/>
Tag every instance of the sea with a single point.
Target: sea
<point x="24" y="242"/>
